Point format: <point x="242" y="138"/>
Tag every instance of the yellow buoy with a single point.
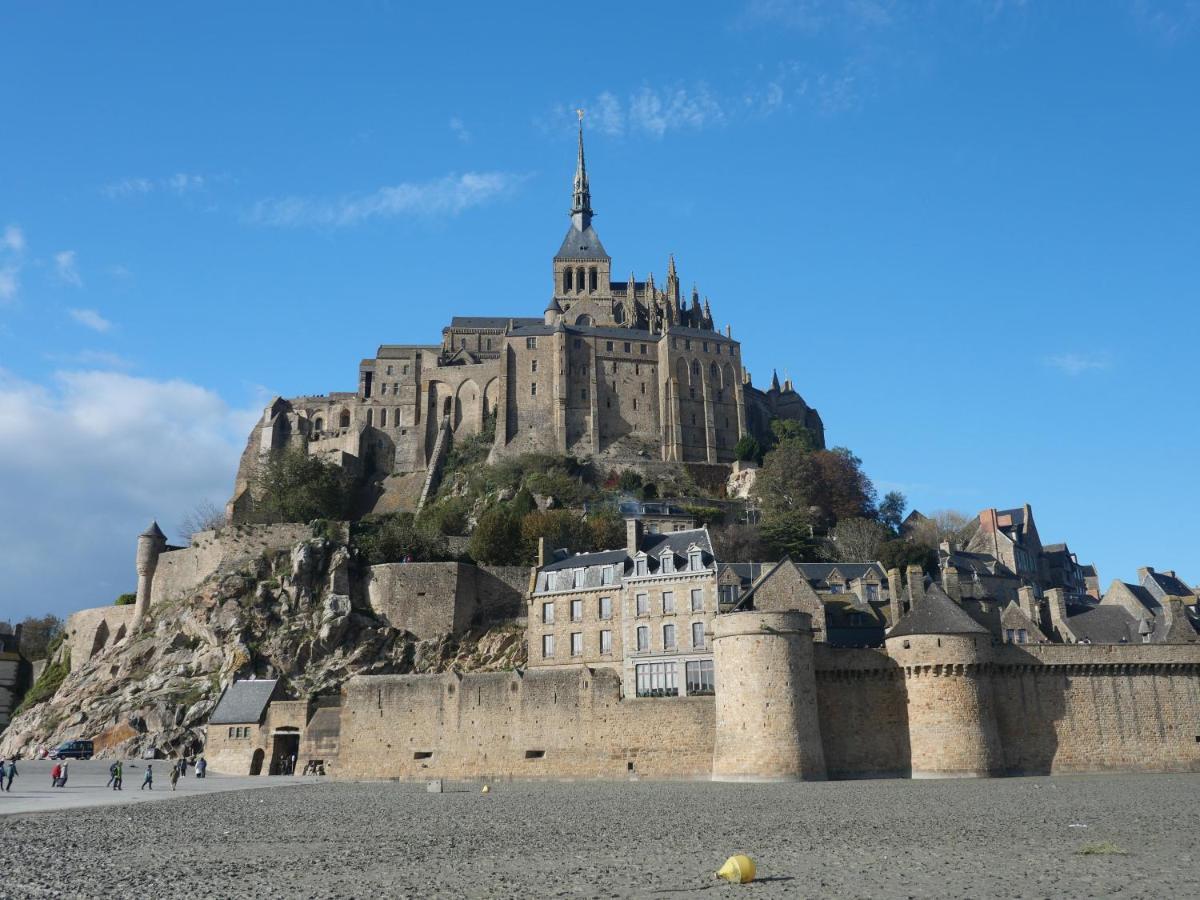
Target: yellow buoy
<point x="485" y="790"/>
<point x="737" y="870"/>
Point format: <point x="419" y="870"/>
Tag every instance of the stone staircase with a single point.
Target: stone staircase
<point x="440" y="448"/>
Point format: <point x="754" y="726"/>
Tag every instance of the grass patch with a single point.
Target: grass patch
<point x="1104" y="848"/>
<point x="47" y="685"/>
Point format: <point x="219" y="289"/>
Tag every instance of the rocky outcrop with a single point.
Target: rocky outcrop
<point x="298" y="615"/>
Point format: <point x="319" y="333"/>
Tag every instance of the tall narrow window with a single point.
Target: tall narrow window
<point x="577" y="643"/>
<point x="370" y="416"/>
<point x="592" y="278"/>
<point x="697" y="634"/>
<point x="576" y="610"/>
<point x="533" y="365"/>
<point x="697" y="600"/>
<point x="533" y="390"/>
<point x="605" y="610"/>
<point x="694" y="561"/>
<point x="643" y="637"/>
<point x="668" y="637"/>
<point x="547" y="613"/>
<point x="383" y="418"/>
<point x="566" y="280"/>
<point x="668" y="602"/>
<point x="643" y="604"/>
<point x="579" y="279"/>
<point x="605" y="642"/>
<point x="547" y="646"/>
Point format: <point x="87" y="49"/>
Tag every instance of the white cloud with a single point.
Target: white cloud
<point x="179" y="183"/>
<point x="447" y="196"/>
<point x="68" y="272"/>
<point x="89" y="318"/>
<point x="460" y="130"/>
<point x="1074" y="364"/>
<point x="1168" y="20"/>
<point x="13" y="239"/>
<point x="9" y="283"/>
<point x="89" y="459"/>
<point x="652" y="111"/>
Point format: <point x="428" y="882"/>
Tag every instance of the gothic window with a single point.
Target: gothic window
<point x="319" y="424"/>
<point x="566" y="280"/>
<point x="383" y="418"/>
<point x="344" y="419"/>
<point x="696" y="369"/>
<point x="592" y="279"/>
<point x="579" y="279"/>
<point x="370" y="416"/>
<point x="619" y="313"/>
<point x="712" y="371"/>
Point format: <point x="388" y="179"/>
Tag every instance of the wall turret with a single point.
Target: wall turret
<point x="151" y="543"/>
<point x="944" y="655"/>
<point x="766" y="700"/>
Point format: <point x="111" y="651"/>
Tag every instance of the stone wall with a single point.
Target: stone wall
<point x="432" y="599"/>
<point x="551" y="723"/>
<point x="860" y="692"/>
<point x="90" y="631"/>
<point x="1092" y="708"/>
<point x="180" y="571"/>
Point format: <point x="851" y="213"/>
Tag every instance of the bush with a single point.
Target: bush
<point x="448" y="516"/>
<point x="561" y="528"/>
<point x="497" y="539"/>
<point x="748" y="449"/>
<point x="705" y="515"/>
<point x="398" y="537"/>
<point x="607" y="529"/>
<point x="292" y="486"/>
<point x="630" y="481"/>
<point x="47" y="685"/>
<point x="125" y="600"/>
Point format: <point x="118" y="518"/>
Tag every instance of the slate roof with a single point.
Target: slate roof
<point x="581" y="245"/>
<point x="584" y="560"/>
<point x="153" y="531"/>
<point x="937" y="614"/>
<point x="851" y="571"/>
<point x="979" y="563"/>
<point x="1170" y="585"/>
<point x="748" y="572"/>
<point x="244" y="701"/>
<point x="593" y="563"/>
<point x="1110" y="624"/>
<point x="678" y="541"/>
<point x="492" y="322"/>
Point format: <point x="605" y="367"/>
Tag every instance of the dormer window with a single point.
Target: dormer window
<point x="641" y="566"/>
<point x="695" y="561"/>
<point x="580" y="578"/>
<point x="667" y="563"/>
<point x="606" y="575"/>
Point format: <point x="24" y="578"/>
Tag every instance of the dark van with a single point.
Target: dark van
<point x="73" y="750"/>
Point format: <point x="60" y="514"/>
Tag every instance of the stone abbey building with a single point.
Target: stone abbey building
<point x="613" y="369"/>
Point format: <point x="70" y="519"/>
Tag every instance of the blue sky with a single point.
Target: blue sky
<point x="967" y="230"/>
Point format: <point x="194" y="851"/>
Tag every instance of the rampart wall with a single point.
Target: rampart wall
<point x="432" y="599"/>
<point x="180" y="571"/>
<point x="554" y="723"/>
<point x="91" y="630"/>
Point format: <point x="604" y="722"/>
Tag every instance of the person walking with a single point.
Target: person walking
<point x="118" y="775"/>
<point x="112" y="774"/>
<point x="201" y="767"/>
<point x="55" y="774"/>
<point x="12" y="773"/>
<point x="62" y="780"/>
<point x="148" y="780"/>
<point x="174" y="775"/>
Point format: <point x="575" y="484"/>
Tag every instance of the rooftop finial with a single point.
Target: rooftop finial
<point x="581" y="206"/>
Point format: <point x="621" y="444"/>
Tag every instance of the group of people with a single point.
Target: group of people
<point x="178" y="770"/>
<point x="116" y="773"/>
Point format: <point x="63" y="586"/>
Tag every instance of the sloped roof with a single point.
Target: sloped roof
<point x="1105" y="624"/>
<point x="850" y="571"/>
<point x="678" y="541"/>
<point x="937" y="614"/>
<point x="1170" y="585"/>
<point x="153" y="531"/>
<point x="244" y="701"/>
<point x="492" y="322"/>
<point x="581" y="245"/>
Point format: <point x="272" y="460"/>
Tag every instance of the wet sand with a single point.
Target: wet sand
<point x="1123" y="836"/>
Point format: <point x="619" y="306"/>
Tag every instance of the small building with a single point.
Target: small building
<point x="239" y="735"/>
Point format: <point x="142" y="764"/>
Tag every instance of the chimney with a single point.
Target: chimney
<point x="916" y="585"/>
<point x="1028" y="601"/>
<point x="895" y="594"/>
<point x="1056" y="600"/>
<point x="1144" y="571"/>
<point x="950" y="584"/>
<point x="633" y="535"/>
<point x="1170" y="573"/>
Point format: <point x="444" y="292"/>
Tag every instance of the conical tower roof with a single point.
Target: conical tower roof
<point x="936" y="613"/>
<point x="153" y="532"/>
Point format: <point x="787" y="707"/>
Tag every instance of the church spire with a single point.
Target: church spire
<point x="581" y="206"/>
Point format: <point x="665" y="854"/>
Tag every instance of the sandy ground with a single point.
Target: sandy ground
<point x="1023" y="837"/>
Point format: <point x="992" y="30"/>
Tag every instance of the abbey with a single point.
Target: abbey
<point x="613" y="369"/>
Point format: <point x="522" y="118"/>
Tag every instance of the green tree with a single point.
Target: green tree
<point x="841" y="488"/>
<point x="791" y="534"/>
<point x="497" y="539"/>
<point x="891" y="510"/>
<point x="783" y="430"/>
<point x="522" y="504"/>
<point x="448" y="516"/>
<point x="607" y="529"/>
<point x="900" y="554"/>
<point x="291" y="486"/>
<point x="398" y="537"/>
<point x="125" y="600"/>
<point x="561" y="528"/>
<point x="630" y="481"/>
<point x="40" y="634"/>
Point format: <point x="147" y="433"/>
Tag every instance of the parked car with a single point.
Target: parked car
<point x="73" y="750"/>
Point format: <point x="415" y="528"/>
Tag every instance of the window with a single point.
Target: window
<point x="1022" y="635"/>
<point x="668" y="637"/>
<point x="605" y="610"/>
<point x="643" y="349"/>
<point x="697" y="600"/>
<point x="872" y="591"/>
<point x="489" y="343"/>
<point x="605" y="642"/>
<point x="592" y="278"/>
<point x="370" y="416"/>
<point x="640" y="566"/>
<point x="530" y="343"/>
<point x="635" y="402"/>
<point x="643" y="604"/>
<point x="687" y="344"/>
<point x="608" y="345"/>
<point x="666" y="563"/>
<point x="580" y="579"/>
<point x="835" y="589"/>
<point x="699" y="675"/>
<point x="389" y="370"/>
<point x="404" y="370"/>
<point x="628" y="347"/>
<point x="668" y="599"/>
<point x="547" y="613"/>
<point x="547" y="646"/>
<point x="643" y="387"/>
<point x="577" y="643"/>
<point x="606" y="575"/>
<point x="695" y="562"/>
<point x="656" y="680"/>
<point x="567" y="280"/>
<point x="231" y="732"/>
<point x="643" y="637"/>
<point x="462" y="342"/>
<point x="533" y="390"/>
<point x="727" y="594"/>
<point x="533" y="365"/>
<point x="697" y="635"/>
<point x="576" y="610"/>
<point x="1010" y="635"/>
<point x="383" y="418"/>
<point x="706" y="346"/>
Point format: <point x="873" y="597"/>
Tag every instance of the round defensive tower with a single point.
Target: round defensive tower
<point x="150" y="545"/>
<point x="766" y="698"/>
<point x="943" y="654"/>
